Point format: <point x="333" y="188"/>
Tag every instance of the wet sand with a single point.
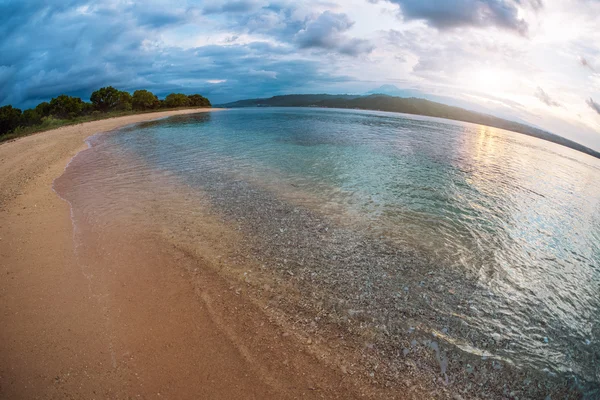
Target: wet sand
<point x="114" y="324"/>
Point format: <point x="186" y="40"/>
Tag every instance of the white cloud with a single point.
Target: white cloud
<point x="260" y="48"/>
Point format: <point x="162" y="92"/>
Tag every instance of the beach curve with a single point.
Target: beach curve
<point x="153" y="337"/>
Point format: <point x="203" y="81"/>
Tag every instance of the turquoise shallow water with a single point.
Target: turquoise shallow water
<point x="514" y="217"/>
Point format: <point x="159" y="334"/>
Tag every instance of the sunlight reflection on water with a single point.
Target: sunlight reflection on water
<point x="518" y="216"/>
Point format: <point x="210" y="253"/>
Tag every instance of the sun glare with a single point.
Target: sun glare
<point x="489" y="80"/>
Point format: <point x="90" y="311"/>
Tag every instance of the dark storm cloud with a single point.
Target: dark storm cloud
<point x="241" y="6"/>
<point x="593" y="105"/>
<point x="76" y="47"/>
<point x="327" y="32"/>
<point x="159" y="20"/>
<point x="282" y="21"/>
<point x="545" y="98"/>
<point x="14" y="14"/>
<point x="277" y="19"/>
<point x="458" y="13"/>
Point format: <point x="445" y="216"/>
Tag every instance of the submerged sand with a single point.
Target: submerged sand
<point x="130" y="323"/>
<point x="122" y="281"/>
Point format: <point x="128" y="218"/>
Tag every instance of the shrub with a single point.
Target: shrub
<point x="64" y="110"/>
<point x="144" y="100"/>
<point x="66" y="107"/>
<point x="10" y="118"/>
<point x="105" y="99"/>
<point x="30" y="117"/>
<point x="177" y="100"/>
<point x="198" y="101"/>
<point x="125" y="102"/>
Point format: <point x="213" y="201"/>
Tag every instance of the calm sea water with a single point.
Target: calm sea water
<point x="512" y="222"/>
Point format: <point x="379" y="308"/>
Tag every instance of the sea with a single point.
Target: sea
<point x="478" y="244"/>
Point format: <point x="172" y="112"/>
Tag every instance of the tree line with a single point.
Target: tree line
<point x="102" y="101"/>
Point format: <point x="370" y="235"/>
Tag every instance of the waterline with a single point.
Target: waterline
<point x="480" y="241"/>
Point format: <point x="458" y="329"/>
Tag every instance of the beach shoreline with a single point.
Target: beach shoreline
<point x="123" y="279"/>
<point x="83" y="328"/>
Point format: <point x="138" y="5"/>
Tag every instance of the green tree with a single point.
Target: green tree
<point x="105" y="99"/>
<point x="43" y="109"/>
<point x="144" y="100"/>
<point x="197" y="100"/>
<point x="177" y="100"/>
<point x="10" y="118"/>
<point x="86" y="108"/>
<point x="66" y="107"/>
<point x="30" y="117"/>
<point x="125" y="101"/>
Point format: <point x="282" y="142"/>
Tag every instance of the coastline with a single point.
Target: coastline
<point x="76" y="327"/>
<point x="124" y="280"/>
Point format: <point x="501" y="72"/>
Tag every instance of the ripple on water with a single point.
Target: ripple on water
<point x="487" y="238"/>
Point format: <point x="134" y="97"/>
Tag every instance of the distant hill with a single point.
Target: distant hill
<point x="391" y="90"/>
<point x="292" y="100"/>
<point x="382" y="102"/>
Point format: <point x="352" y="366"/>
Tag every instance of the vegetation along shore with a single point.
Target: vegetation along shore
<point x="106" y="102"/>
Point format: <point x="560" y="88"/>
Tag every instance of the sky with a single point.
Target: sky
<point x="533" y="61"/>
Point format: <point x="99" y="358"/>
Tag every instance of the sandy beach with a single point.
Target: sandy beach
<point x="142" y="330"/>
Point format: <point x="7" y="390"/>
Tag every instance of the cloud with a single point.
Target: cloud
<point x="280" y="20"/>
<point x="449" y="14"/>
<point x="545" y="98"/>
<point x="229" y="50"/>
<point x="297" y="24"/>
<point x="240" y="6"/>
<point x="327" y="32"/>
<point x="451" y="56"/>
<point x="585" y="63"/>
<point x="76" y="47"/>
<point x="593" y="105"/>
<point x="154" y="19"/>
<point x="536" y="5"/>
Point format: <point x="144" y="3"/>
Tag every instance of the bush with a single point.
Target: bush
<point x="109" y="99"/>
<point x="86" y="109"/>
<point x="66" y="107"/>
<point x="177" y="100"/>
<point x="105" y="99"/>
<point x="144" y="100"/>
<point x="125" y="102"/>
<point x="64" y="110"/>
<point x="198" y="101"/>
<point x="10" y="118"/>
<point x="43" y="109"/>
<point x="30" y="117"/>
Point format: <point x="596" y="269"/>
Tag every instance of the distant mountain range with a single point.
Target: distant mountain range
<point x="395" y="91"/>
<point x="407" y="105"/>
